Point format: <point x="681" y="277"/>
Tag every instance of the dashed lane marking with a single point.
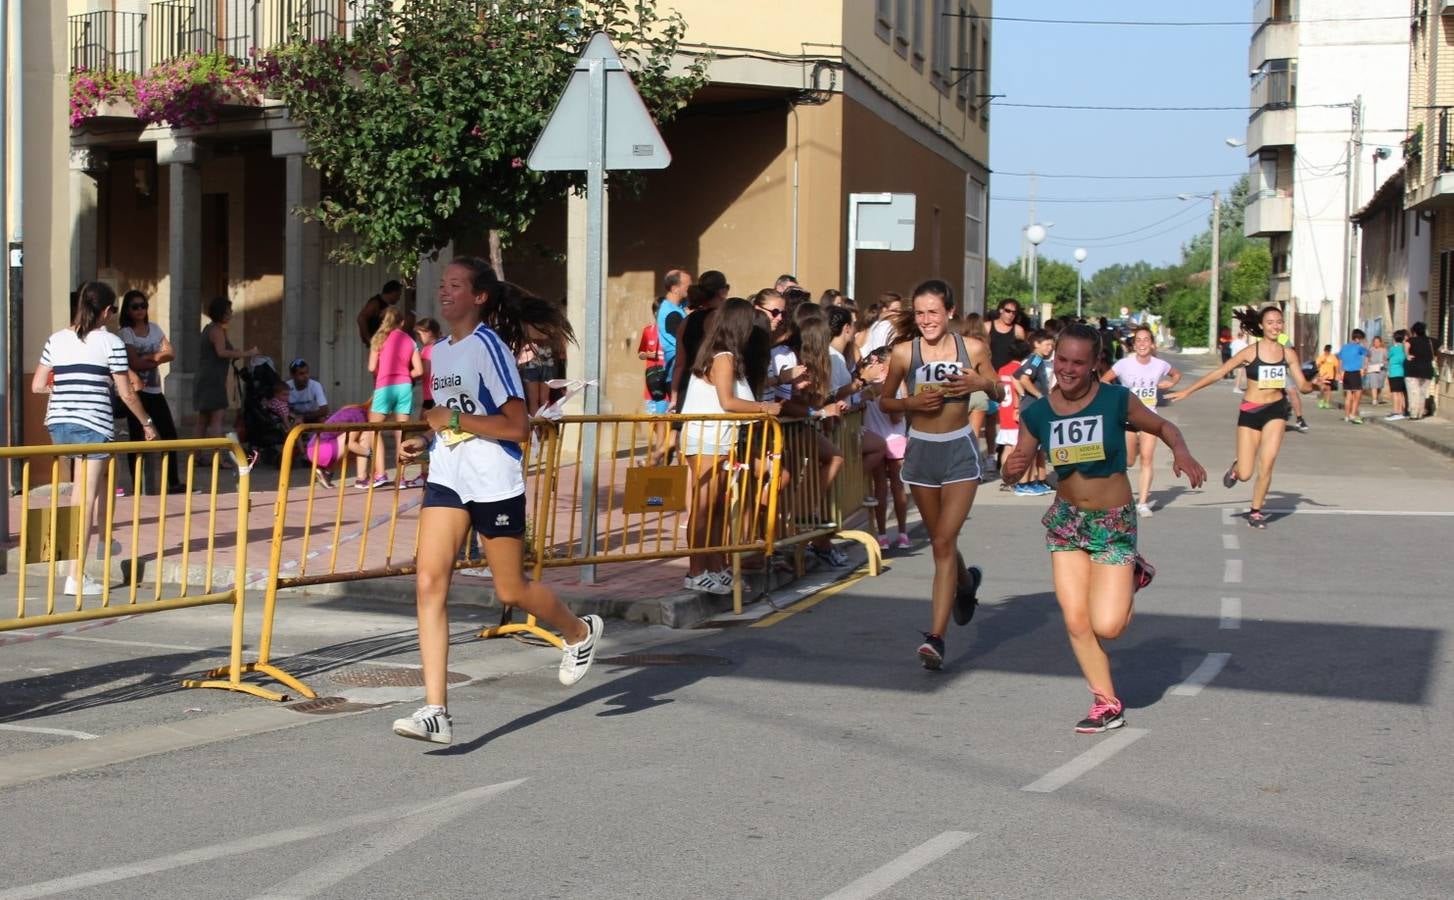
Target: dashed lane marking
<point x="1202" y="675"/>
<point x="1230" y="542"/>
<point x="890" y="874"/>
<point x="1231" y="614"/>
<point x="58" y="732"/>
<point x="1232" y="571"/>
<point x="1104" y="749"/>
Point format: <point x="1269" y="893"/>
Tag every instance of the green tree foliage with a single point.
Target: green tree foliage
<point x="421" y="121"/>
<point x="1057" y="285"/>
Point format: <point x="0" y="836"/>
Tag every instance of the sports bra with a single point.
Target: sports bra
<point x="1268" y="376"/>
<point x="932" y="376"/>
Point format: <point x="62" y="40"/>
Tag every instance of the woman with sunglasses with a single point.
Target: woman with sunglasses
<point x="147" y="349"/>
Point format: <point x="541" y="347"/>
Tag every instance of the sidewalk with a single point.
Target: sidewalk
<point x="1432" y="432"/>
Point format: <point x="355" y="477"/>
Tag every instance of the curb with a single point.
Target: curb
<point x="1424" y="439"/>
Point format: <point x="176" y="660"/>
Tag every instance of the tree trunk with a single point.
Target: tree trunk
<point x="497" y="254"/>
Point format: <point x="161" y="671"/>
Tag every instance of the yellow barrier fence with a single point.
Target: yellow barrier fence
<point x="812" y="510"/>
<point x="716" y="495"/>
<point x="160" y="569"/>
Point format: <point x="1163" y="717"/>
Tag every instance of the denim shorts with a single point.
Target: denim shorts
<point x="393" y="399"/>
<point x="71" y="433"/>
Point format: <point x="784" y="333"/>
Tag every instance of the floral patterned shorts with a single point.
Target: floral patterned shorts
<point x="1108" y="535"/>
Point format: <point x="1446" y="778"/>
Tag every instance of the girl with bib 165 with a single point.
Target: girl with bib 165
<point x="1091" y="528"/>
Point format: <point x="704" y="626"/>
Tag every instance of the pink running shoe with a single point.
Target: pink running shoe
<point x="1144" y="572"/>
<point x="1105" y="714"/>
<point x="903" y="541"/>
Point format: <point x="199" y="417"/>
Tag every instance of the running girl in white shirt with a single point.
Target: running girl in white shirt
<point x="1146" y="376"/>
<point x="476" y="477"/>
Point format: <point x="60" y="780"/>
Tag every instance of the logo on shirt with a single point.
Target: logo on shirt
<point x="440" y="382"/>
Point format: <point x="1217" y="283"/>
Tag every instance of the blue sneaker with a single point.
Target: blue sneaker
<point x="1043" y="487"/>
<point x="1025" y="490"/>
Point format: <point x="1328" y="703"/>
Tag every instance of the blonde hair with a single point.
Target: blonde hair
<point x="390" y="323"/>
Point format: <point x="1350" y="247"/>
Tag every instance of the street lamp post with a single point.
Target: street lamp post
<point x="1035" y="234"/>
<point x="1080" y="256"/>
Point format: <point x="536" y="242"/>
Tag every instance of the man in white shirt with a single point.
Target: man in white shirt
<point x="305" y="396"/>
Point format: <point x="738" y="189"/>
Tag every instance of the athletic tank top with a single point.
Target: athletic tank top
<point x="1002" y="345"/>
<point x="1091" y="441"/>
<point x="933" y="376"/>
<point x="1269" y="376"/>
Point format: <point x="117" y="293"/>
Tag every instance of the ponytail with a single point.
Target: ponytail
<point x="92" y="301"/>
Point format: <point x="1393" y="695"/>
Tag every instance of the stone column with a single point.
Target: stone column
<point x="87" y="167"/>
<point x="181" y="157"/>
<point x="302" y="259"/>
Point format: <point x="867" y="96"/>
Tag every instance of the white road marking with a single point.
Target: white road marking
<point x="1230" y="542"/>
<point x="1231" y="613"/>
<point x="97" y="877"/>
<point x="890" y="874"/>
<point x="1202" y="675"/>
<point x="1232" y="571"/>
<point x="60" y="732"/>
<point x="148" y="645"/>
<point x="417" y="826"/>
<point x="1227" y="515"/>
<point x="1418" y="513"/>
<point x="1104" y="749"/>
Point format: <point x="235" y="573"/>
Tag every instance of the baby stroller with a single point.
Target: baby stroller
<point x="260" y="429"/>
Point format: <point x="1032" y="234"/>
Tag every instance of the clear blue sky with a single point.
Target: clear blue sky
<point x="1114" y="66"/>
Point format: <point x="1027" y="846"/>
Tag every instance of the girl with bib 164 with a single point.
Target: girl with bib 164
<point x="1091" y="528"/>
<point x="1272" y="370"/>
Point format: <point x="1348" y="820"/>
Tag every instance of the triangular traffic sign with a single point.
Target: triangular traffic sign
<point x="632" y="140"/>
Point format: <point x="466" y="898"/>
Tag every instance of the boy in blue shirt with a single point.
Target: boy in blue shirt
<point x="1352" y="362"/>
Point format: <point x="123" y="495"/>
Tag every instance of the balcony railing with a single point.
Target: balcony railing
<point x="1274" y="89"/>
<point x="1445" y="159"/>
<point x="243" y="29"/>
<point x="107" y="40"/>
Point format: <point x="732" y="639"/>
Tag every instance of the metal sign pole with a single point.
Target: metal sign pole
<point x="850" y="287"/>
<point x="595" y="251"/>
<point x="7" y="352"/>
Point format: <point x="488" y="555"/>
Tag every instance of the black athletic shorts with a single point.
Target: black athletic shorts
<point x="1258" y="417"/>
<point x="500" y="518"/>
<point x="1396" y="385"/>
<point x="1352" y="381"/>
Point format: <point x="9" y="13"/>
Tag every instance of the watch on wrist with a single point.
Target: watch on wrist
<point x="147" y="424"/>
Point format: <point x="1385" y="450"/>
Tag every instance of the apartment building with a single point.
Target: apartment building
<point x="1327" y="89"/>
<point x="1429" y="167"/>
<point x="807" y="102"/>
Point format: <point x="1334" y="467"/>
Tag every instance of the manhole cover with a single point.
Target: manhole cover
<point x="666" y="659"/>
<point x="323" y="706"/>
<point x="386" y="676"/>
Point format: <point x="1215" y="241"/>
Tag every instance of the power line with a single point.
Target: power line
<point x="1188" y="213"/>
<point x="1241" y="23"/>
<point x="1115" y="177"/>
<point x="1143" y="199"/>
<point x="1095" y="108"/>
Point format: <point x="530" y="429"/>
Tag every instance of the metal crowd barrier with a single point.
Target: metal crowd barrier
<point x="809" y="511"/>
<point x="159" y="571"/>
<point x="714" y="492"/>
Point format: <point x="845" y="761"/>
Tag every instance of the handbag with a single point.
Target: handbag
<point x="658" y="385"/>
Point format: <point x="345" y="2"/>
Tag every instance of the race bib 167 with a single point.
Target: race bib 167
<point x="1077" y="440"/>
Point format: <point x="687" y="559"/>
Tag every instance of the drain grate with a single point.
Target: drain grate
<point x="324" y="706"/>
<point x="386" y="676"/>
<point x="666" y="659"/>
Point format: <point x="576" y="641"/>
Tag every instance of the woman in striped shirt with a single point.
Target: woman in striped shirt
<point x="78" y="368"/>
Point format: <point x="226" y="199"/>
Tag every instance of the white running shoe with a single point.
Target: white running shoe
<point x="89" y="588"/>
<point x="578" y="657"/>
<point x="706" y="583"/>
<point x="1143" y="510"/>
<point x="429" y="723"/>
<point x="724" y="578"/>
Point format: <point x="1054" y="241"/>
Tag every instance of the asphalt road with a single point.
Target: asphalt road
<point x="1288" y="691"/>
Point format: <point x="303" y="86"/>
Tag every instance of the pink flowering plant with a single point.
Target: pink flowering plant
<point x="193" y="89"/>
<point x="91" y="89"/>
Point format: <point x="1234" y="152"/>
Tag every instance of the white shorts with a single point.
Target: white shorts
<point x="1007" y="437"/>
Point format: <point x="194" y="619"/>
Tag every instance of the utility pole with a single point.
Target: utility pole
<point x="1216" y="296"/>
<point x="1350" y="229"/>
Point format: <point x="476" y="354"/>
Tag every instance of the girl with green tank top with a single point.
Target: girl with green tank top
<point x="1090" y="530"/>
